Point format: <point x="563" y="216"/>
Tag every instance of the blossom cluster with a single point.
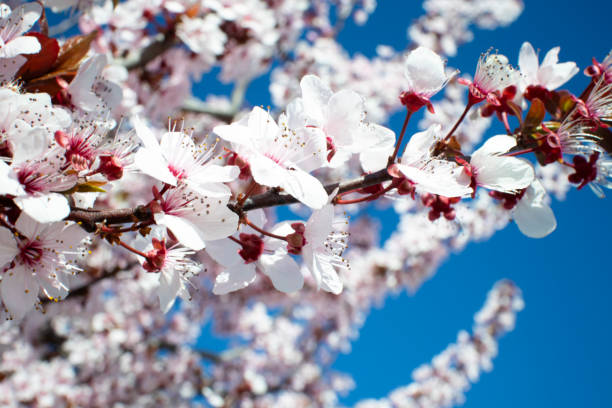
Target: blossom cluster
<point x="109" y="213"/>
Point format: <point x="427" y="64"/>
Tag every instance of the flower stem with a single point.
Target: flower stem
<point x="246" y="221"/>
<point x="131" y="249"/>
<point x="367" y="198"/>
<point x="400" y="138"/>
<point x="467" y="108"/>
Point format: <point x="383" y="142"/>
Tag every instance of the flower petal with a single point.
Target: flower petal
<point x="283" y="271"/>
<point x="19" y="291"/>
<point x="236" y="278"/>
<point x="45" y="208"/>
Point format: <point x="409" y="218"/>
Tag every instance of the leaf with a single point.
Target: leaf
<point x="536" y="114"/>
<point x="73" y="51"/>
<point x="40" y="63"/>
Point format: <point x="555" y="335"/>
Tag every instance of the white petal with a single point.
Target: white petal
<point x="319" y="226"/>
<point x="218" y="174"/>
<point x="169" y="287"/>
<point x="8" y="247"/>
<point x="532" y="215"/>
<point x="420" y="143"/>
<point x="20" y="45"/>
<point x="262" y="125"/>
<point x="224" y="252"/>
<point x="233" y="279"/>
<point x="184" y="230"/>
<point x="23" y="17"/>
<point x="424" y="70"/>
<point x="343" y="117"/>
<point x="441" y="177"/>
<point x="8" y="181"/>
<point x="330" y="282"/>
<point x="528" y="63"/>
<point x="283" y="271"/>
<point x="234" y="133"/>
<point x="153" y="163"/>
<point x="145" y="134"/>
<point x="27" y="142"/>
<point x="304" y="187"/>
<point x="315" y="95"/>
<point x="45" y="208"/>
<point x="505" y="174"/>
<point x="19" y="291"/>
<point x="495" y="145"/>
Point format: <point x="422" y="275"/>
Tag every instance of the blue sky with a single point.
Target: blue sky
<point x="559" y="354"/>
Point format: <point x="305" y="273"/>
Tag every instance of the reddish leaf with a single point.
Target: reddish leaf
<point x="40" y="63"/>
<point x="536" y="114"/>
<point x="73" y="51"/>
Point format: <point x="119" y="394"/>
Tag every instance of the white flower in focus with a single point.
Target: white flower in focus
<point x="493" y="74"/>
<point x="426" y="75"/>
<point x="490" y="169"/>
<point x="267" y="254"/>
<point x="40" y="257"/>
<point x="13" y="25"/>
<point x="322" y="252"/>
<point x="549" y="75"/>
<point x="279" y="157"/>
<point x="178" y="159"/>
<point x="340" y="116"/>
<point x="194" y="218"/>
<point x="429" y="173"/>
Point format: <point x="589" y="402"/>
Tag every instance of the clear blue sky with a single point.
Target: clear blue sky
<point x="559" y="354"/>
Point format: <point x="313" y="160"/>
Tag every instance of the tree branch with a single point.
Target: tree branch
<point x="273" y="198"/>
<point x="88" y="218"/>
<point x="196" y="105"/>
<point x="138" y="59"/>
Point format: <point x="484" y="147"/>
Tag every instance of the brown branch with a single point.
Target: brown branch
<point x="140" y="58"/>
<point x="88" y="218"/>
<point x="273" y="198"/>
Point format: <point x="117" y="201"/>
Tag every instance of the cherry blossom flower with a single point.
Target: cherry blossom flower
<point x="425" y="73"/>
<point x="13" y="24"/>
<point x="430" y="174"/>
<point x="341" y="117"/>
<point x="178" y="159"/>
<point x="194" y="218"/>
<point x="493" y="74"/>
<point x="597" y="108"/>
<point x="603" y="68"/>
<point x="90" y="92"/>
<point x="322" y="248"/>
<point x="549" y="75"/>
<point x="255" y="252"/>
<point x="41" y="181"/>
<point x="40" y="256"/>
<point x="490" y="169"/>
<point x="530" y="209"/>
<point x="203" y="35"/>
<point x="279" y="157"/>
<point x="174" y="268"/>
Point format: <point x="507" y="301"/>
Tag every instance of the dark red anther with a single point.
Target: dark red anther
<point x="440" y="205"/>
<point x="509" y="200"/>
<point x="585" y="171"/>
<point x="252" y="247"/>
